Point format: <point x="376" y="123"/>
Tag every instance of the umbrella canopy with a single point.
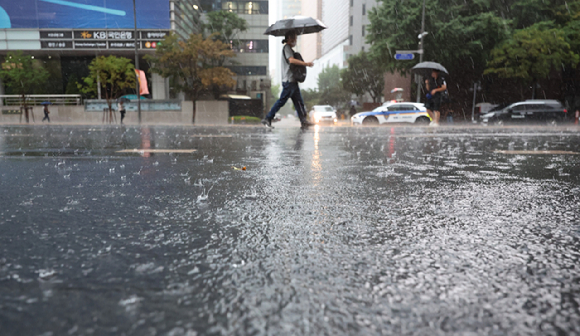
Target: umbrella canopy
<point x="46" y="103"/>
<point x="301" y="24"/>
<point x="123" y="100"/>
<point x="425" y="68"/>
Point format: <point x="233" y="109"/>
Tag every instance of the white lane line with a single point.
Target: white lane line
<point x="532" y="152"/>
<point x="187" y="151"/>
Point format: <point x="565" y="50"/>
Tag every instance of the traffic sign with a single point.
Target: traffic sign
<point x="404" y="57"/>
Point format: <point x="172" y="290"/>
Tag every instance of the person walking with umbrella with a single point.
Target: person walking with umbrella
<point x="121" y="108"/>
<point x="291" y="64"/>
<point x="46" y="112"/>
<point x="290" y="88"/>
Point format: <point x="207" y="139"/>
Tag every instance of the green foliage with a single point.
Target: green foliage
<point x="531" y="53"/>
<point x="329" y="78"/>
<point x="72" y="87"/>
<point x="275" y="90"/>
<point x="469" y="36"/>
<point x="461" y="34"/>
<point x="115" y="75"/>
<point x="193" y="64"/>
<point x="311" y="97"/>
<point x="22" y="74"/>
<point x="330" y="87"/>
<point x="363" y="75"/>
<point x="225" y="26"/>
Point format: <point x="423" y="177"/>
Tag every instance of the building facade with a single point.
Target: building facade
<point x="66" y="36"/>
<point x="252" y="48"/>
<point x="358" y="24"/>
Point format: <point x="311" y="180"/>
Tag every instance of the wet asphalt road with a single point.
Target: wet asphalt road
<point x="330" y="231"/>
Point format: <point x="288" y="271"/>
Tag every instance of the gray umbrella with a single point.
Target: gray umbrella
<point x="425" y="68"/>
<point x="301" y="24"/>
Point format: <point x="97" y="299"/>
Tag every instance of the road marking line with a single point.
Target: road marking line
<point x="210" y="136"/>
<point x="187" y="151"/>
<point x="535" y="152"/>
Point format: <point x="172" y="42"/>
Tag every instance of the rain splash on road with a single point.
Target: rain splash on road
<point x="370" y="231"/>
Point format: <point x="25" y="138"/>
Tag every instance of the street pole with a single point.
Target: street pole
<point x="137" y="65"/>
<point x="421" y="54"/>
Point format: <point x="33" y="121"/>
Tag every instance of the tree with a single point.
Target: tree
<point x="363" y="75"/>
<point x="225" y="26"/>
<point x="191" y="63"/>
<point x="113" y="74"/>
<point x="22" y="75"/>
<point x="311" y="97"/>
<point x="461" y="34"/>
<point x="530" y="54"/>
<point x="330" y="87"/>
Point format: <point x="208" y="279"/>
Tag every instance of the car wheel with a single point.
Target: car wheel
<point x="370" y="121"/>
<point x="422" y="121"/>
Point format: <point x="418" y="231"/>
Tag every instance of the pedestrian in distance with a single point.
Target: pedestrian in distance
<point x="352" y="110"/>
<point x="435" y="85"/>
<point x="121" y="107"/>
<point x="290" y="88"/>
<point x="46" y="113"/>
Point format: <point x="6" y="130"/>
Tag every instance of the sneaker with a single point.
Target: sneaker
<point x="306" y="123"/>
<point x="267" y="122"/>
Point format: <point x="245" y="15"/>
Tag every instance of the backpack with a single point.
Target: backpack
<point x="298" y="71"/>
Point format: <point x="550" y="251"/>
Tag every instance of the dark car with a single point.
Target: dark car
<point x="549" y="112"/>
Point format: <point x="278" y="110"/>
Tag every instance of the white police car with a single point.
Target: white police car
<point x="414" y="113"/>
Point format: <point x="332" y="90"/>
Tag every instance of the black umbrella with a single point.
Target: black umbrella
<point x="123" y="100"/>
<point x="425" y="68"/>
<point x="301" y="24"/>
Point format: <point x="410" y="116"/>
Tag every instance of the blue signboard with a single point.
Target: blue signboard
<point x="83" y="14"/>
<point x="404" y="57"/>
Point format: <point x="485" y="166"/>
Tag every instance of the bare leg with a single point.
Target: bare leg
<point x="430" y="113"/>
<point x="437" y="116"/>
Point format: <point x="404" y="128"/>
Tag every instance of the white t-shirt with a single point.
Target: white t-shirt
<point x="286" y="73"/>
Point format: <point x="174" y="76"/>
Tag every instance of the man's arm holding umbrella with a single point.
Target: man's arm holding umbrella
<point x="440" y="89"/>
<point x="292" y="60"/>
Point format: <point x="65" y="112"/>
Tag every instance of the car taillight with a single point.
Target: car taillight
<point x="565" y="111"/>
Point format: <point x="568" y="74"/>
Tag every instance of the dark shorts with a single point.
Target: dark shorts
<point x="433" y="104"/>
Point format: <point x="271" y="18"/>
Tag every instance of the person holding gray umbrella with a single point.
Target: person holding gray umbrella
<point x="290" y="29"/>
<point x="435" y="86"/>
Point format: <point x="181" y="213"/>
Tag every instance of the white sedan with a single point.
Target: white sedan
<point x="414" y="113"/>
<point x="323" y="114"/>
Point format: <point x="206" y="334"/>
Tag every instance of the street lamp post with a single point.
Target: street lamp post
<point x="421" y="53"/>
<point x="137" y="64"/>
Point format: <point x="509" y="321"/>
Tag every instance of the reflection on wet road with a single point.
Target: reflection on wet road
<point x="329" y="231"/>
